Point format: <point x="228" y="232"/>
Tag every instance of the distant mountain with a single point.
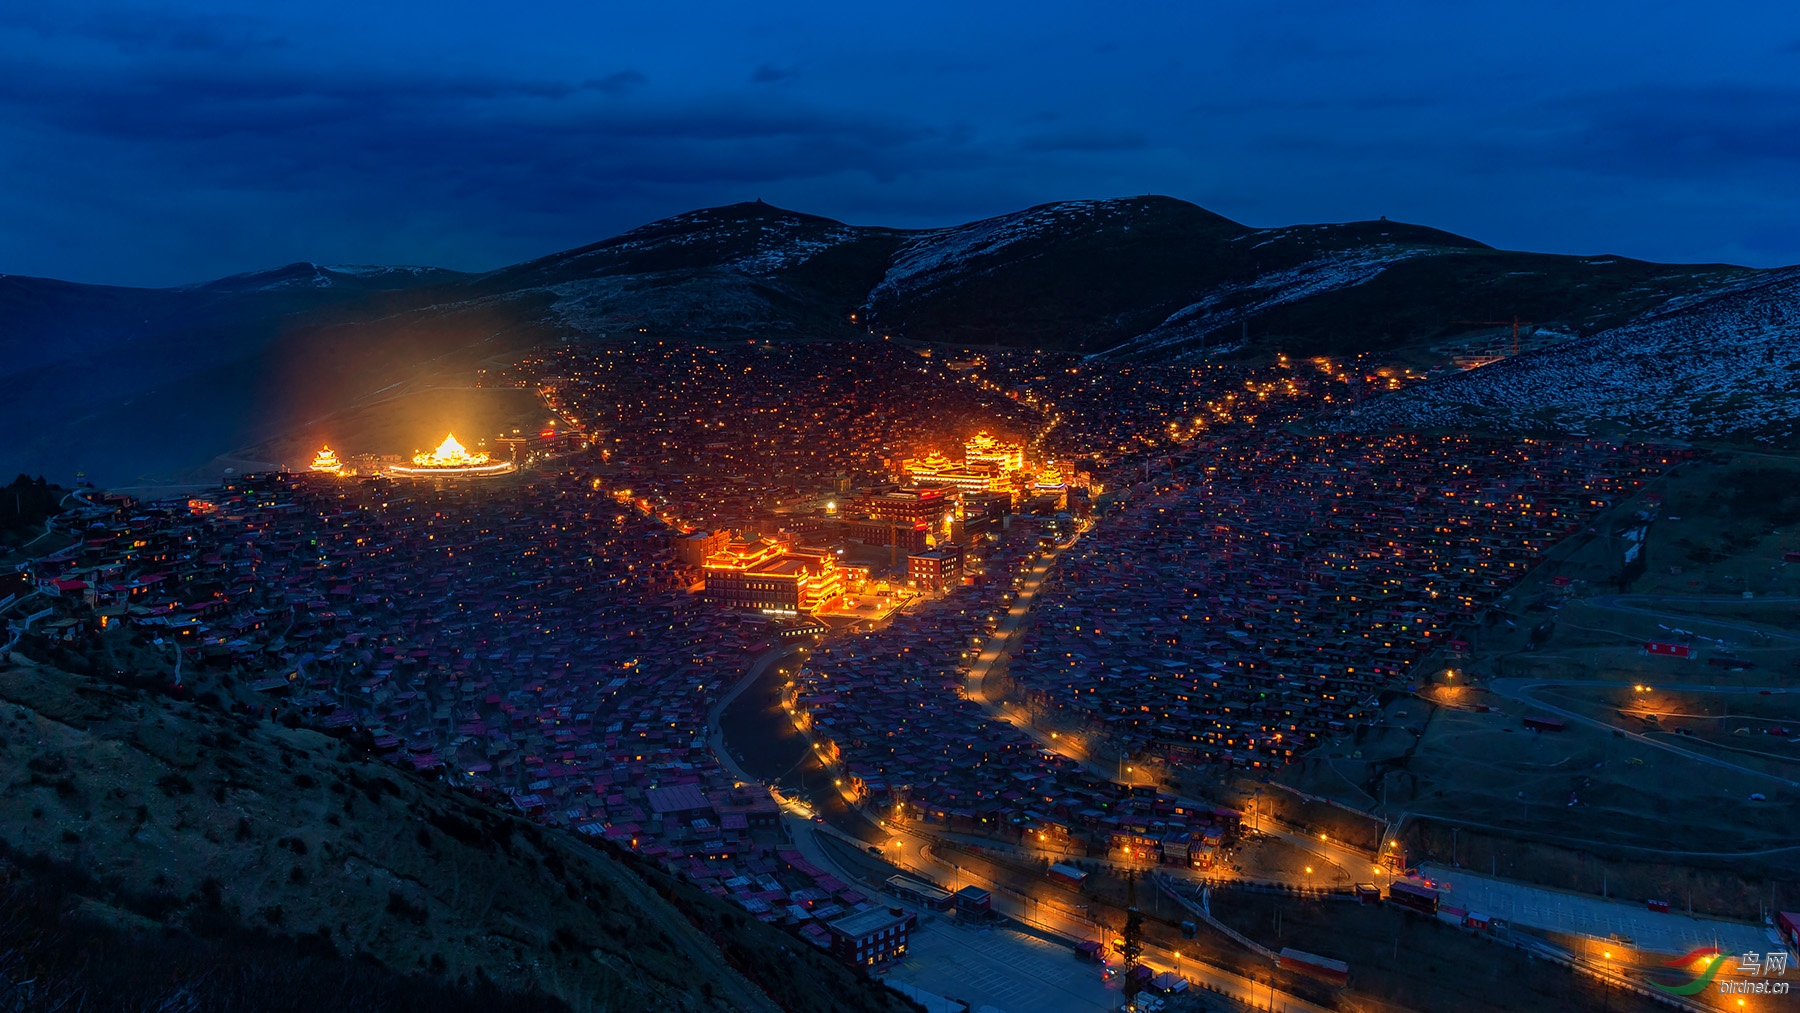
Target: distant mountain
<point x="134" y="384"/>
<point x="43" y="322"/>
<point x="742" y="268"/>
<point x="1154" y="278"/>
<point x="122" y="382"/>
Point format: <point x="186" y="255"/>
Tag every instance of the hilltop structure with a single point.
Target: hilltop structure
<point x="326" y="463"/>
<point x="452" y="459"/>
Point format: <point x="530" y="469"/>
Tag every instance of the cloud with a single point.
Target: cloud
<point x="1091" y="140"/>
<point x="532" y="161"/>
<point x="620" y="83"/>
<point x="1672" y="132"/>
<point x="149" y="145"/>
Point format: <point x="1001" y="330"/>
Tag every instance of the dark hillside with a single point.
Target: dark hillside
<point x="1428" y="298"/>
<point x="57" y="954"/>
<point x="176" y="821"/>
<point x="1079" y="275"/>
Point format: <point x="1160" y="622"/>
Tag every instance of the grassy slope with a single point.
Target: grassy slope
<point x="172" y="813"/>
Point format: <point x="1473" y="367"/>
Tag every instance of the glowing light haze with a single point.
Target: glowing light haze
<point x="176" y="142"/>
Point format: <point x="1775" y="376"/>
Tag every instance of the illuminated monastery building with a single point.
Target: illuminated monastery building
<point x="452" y="459"/>
<point x="905" y="517"/>
<point x="327" y="463"/>
<point x="988" y="465"/>
<point x="983" y="449"/>
<point x="765" y="576"/>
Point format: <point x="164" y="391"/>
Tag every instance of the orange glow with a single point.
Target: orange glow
<point x="450" y="454"/>
<point x="327" y="463"/>
<point x="451" y="458"/>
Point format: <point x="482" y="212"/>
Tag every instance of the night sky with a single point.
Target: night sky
<point x="157" y="144"/>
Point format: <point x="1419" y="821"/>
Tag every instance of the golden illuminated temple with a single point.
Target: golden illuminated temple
<point x="983" y="449"/>
<point x="452" y="459"/>
<point x="767" y="576"/>
<point x="988" y="465"/>
<point x="327" y="463"/>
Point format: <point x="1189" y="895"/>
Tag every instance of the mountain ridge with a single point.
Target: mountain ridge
<point x="174" y="378"/>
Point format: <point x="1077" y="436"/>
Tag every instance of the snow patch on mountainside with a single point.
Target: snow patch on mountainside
<point x="1723" y="364"/>
<point x="1228" y="304"/>
<point x="931" y="260"/>
<point x="756" y="246"/>
<point x="776" y="251"/>
<point x="305" y="274"/>
<point x="382" y="270"/>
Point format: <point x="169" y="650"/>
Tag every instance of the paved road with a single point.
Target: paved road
<point x="1349" y="864"/>
<point x="1624" y="603"/>
<point x="796" y="817"/>
<point x="1009" y="628"/>
<point x="1071" y="927"/>
<point x="715" y="735"/>
<point x="1553" y="910"/>
<point x="1520" y="690"/>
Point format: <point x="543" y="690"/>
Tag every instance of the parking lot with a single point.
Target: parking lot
<point x="1009" y="970"/>
<point x="1538" y="908"/>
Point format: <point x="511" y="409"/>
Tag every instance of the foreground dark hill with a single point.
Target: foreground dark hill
<point x="135" y="385"/>
<point x="278" y="868"/>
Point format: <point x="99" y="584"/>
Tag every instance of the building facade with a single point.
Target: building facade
<point x="764" y="576"/>
<point x="936" y="570"/>
<point x="869" y="938"/>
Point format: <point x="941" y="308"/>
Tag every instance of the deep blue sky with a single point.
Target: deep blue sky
<point x="166" y="143"/>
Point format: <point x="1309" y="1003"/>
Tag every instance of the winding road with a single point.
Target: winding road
<point x="1626" y="603"/>
<point x="1520" y="690"/>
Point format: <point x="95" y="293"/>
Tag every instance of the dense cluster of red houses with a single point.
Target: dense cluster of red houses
<point x="889" y="708"/>
<point x="748" y="435"/>
<point x="1254" y="600"/>
<point x="524" y="638"/>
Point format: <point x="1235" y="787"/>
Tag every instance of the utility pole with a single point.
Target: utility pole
<point x="1133" y="945"/>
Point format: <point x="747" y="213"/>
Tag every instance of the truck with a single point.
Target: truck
<point x="1324" y="968"/>
<point x="1416" y="898"/>
<point x="1788" y="924"/>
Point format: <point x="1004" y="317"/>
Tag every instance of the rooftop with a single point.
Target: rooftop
<point x="863" y="923"/>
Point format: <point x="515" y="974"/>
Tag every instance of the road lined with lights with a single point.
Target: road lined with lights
<point x="1073" y="927"/>
<point x="1340" y="857"/>
<point x="1007" y="629"/>
<point x="1520" y="690"/>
